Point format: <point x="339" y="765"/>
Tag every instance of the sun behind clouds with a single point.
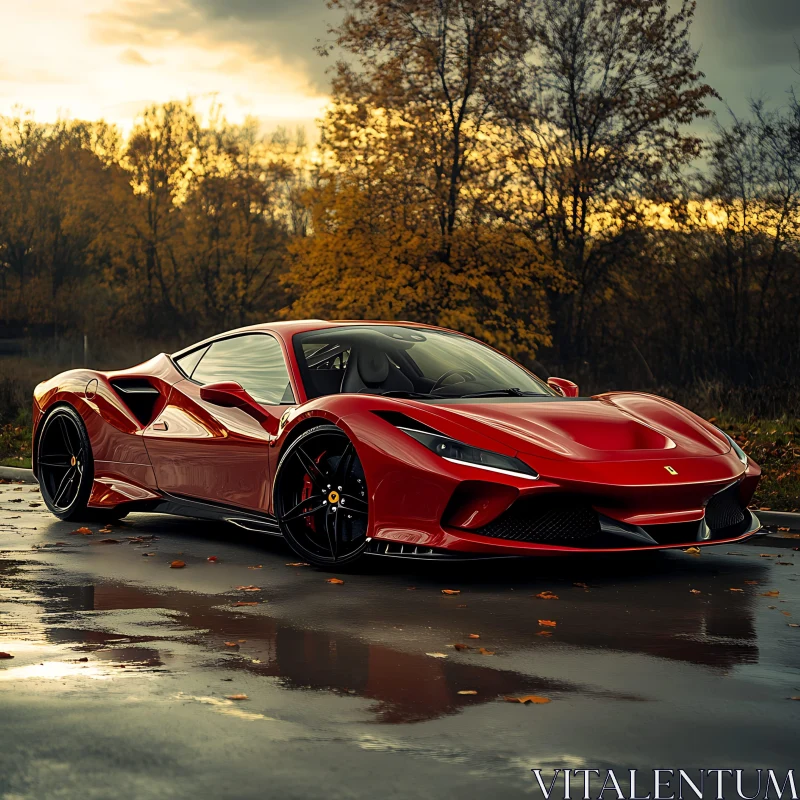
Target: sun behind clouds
<point x="98" y="59"/>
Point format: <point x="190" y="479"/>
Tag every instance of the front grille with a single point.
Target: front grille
<point x="724" y="510"/>
<point x="558" y="521"/>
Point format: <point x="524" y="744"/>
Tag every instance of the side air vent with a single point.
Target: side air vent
<point x="139" y="395"/>
<point x="402" y="421"/>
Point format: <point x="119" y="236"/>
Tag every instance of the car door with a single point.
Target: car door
<point x="215" y="453"/>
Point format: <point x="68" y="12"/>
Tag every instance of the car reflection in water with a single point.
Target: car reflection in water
<point x="405" y="687"/>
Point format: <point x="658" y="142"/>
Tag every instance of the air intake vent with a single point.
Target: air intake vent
<point x="139" y="395"/>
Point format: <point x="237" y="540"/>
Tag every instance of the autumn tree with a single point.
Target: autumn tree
<point x="399" y="207"/>
<point x="600" y="118"/>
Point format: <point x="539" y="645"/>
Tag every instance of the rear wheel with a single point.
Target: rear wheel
<point x="66" y="468"/>
<point x="321" y="498"/>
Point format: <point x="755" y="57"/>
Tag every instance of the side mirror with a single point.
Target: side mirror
<point x="230" y="394"/>
<point x="563" y="387"/>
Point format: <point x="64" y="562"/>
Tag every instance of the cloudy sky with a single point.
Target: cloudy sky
<point x="109" y="58"/>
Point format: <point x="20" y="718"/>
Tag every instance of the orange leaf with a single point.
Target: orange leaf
<point x="528" y="698"/>
<point x="298" y="564"/>
<point x="177" y="565"/>
<point x="247" y="588"/>
<point x="770" y="594"/>
<point x="752" y="583"/>
<point x="242" y="603"/>
<point x="474" y="636"/>
<point x="451" y="591"/>
<point x="484" y="652"/>
<point x="545" y="633"/>
<point x="695" y="591"/>
<point x="335" y="580"/>
<point x="231" y="644"/>
<point x="786" y="613"/>
<point x="468" y="691"/>
<point x="238" y="697"/>
<point x="735" y="590"/>
<point x="548" y="623"/>
<point x="692" y="551"/>
<point x="547" y="596"/>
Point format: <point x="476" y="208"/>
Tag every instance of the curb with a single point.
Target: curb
<point x="23" y="475"/>
<point x="779" y="519"/>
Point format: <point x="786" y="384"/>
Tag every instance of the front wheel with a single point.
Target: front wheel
<point x="321" y="498"/>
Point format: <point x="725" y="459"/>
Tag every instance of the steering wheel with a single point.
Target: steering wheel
<point x="467" y="376"/>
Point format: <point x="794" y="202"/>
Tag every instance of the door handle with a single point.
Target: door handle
<point x="160" y="426"/>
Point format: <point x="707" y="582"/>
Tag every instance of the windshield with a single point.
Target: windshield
<point x="399" y="360"/>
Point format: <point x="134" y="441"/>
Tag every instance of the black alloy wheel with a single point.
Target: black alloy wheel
<point x="64" y="463"/>
<point x="321" y="498"/>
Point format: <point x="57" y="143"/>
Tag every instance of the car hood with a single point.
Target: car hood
<point x="619" y="426"/>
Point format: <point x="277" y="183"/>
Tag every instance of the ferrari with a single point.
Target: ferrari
<point x="354" y="439"/>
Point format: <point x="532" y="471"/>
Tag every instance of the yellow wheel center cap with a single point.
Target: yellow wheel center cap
<point x="333" y="497"/>
<point x="73" y="461"/>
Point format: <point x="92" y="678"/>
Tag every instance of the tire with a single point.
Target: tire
<point x="65" y="467"/>
<point x="320" y="498"/>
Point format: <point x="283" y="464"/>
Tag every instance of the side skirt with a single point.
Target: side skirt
<point x="178" y="505"/>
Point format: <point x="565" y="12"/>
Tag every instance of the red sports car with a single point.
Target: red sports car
<point x="356" y="438"/>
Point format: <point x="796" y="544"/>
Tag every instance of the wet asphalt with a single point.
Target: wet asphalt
<point x="122" y="666"/>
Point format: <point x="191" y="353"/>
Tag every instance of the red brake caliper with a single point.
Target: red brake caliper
<point x="308" y="490"/>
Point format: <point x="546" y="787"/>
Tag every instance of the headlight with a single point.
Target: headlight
<point x="736" y="449"/>
<point x="460" y="453"/>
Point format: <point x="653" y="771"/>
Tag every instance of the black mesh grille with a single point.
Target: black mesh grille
<point x="724" y="510"/>
<point x="545" y="521"/>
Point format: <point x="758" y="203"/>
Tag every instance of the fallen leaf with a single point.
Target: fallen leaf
<point x="109" y="541"/>
<point x="6" y="655"/>
<point x="528" y="699"/>
<point x="735" y="590"/>
<point x="793" y="624"/>
<point x="752" y="583"/>
<point x="107" y="529"/>
<point x="82" y="532"/>
<point x="474" y="636"/>
<point x="784" y="530"/>
<point x="238" y="697"/>
<point x="258" y="566"/>
<point x="459" y="646"/>
<point x="484" y="652"/>
<point x="546" y="596"/>
<point x="770" y="594"/>
<point x="437" y="655"/>
<point x="177" y="565"/>
<point x="793" y="698"/>
<point x="581" y="585"/>
<point x="231" y="644"/>
<point x="212" y="559"/>
<point x="298" y="564"/>
<point x="451" y="591"/>
<point x="242" y="641"/>
<point x="148" y="554"/>
<point x="247" y="588"/>
<point x="768" y="555"/>
<point x="548" y="623"/>
<point x="786" y="613"/>
<point x="468" y="691"/>
<point x="545" y="633"/>
<point x="695" y="591"/>
<point x="335" y="580"/>
<point x="242" y="603"/>
<point x="692" y="551"/>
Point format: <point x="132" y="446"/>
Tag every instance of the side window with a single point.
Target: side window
<point x="188" y="362"/>
<point x="255" y="361"/>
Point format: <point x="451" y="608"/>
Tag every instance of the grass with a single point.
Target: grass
<point x="773" y="444"/>
<point x="15" y="445"/>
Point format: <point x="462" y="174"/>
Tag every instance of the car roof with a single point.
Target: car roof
<point x="288" y="328"/>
